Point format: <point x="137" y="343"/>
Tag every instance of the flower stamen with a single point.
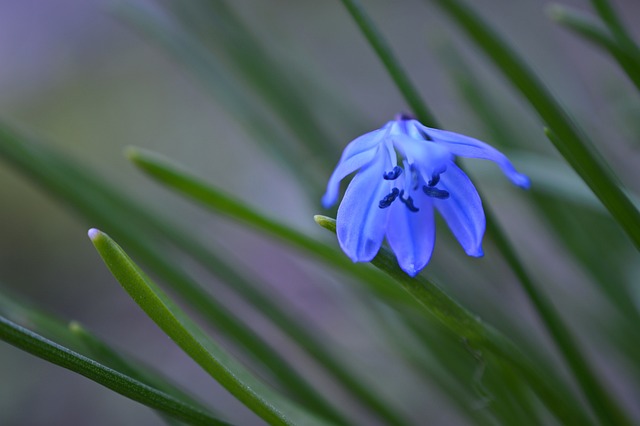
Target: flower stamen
<point x="408" y="202"/>
<point x="434" y="180"/>
<point x="440" y="194"/>
<point x="393" y="174"/>
<point x="389" y="198"/>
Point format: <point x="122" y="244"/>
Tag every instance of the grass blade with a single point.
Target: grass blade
<point x="262" y="400"/>
<point x="124" y="385"/>
<point x="476" y="334"/>
<point x="591" y="30"/>
<point x="380" y="46"/>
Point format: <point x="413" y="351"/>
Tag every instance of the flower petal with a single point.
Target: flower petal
<point x="463" y="210"/>
<point x="465" y="146"/>
<point x="428" y="157"/>
<point x="356" y="154"/>
<point x="360" y="222"/>
<point x="412" y="235"/>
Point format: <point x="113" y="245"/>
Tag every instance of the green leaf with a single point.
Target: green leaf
<point x="622" y="36"/>
<point x="258" y="397"/>
<point x="476" y="334"/>
<point x="571" y="142"/>
<point x="74" y="336"/>
<point x="390" y="62"/>
<point x="166" y="172"/>
<point x="50" y="351"/>
<point x="591" y="30"/>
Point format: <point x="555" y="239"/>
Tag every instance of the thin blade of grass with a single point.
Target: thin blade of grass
<point x="591" y="30"/>
<point x="37" y="345"/>
<point x="381" y="47"/>
<point x="475" y="334"/>
<point x="254" y="394"/>
<point x="75" y="337"/>
<point x="625" y="41"/>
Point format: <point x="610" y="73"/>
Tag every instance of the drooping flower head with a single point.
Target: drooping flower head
<point x="405" y="170"/>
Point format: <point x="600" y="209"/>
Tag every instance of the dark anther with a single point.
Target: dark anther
<point x="425" y="135"/>
<point x="389" y="198"/>
<point x="393" y="174"/>
<point x="408" y="202"/>
<point x="434" y="180"/>
<point x="435" y="192"/>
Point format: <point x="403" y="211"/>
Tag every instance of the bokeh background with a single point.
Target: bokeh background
<point x="82" y="78"/>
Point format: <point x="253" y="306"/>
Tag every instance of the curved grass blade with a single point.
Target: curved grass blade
<point x="50" y="351"/>
<point x="591" y="30"/>
<point x="380" y="46"/>
<point x="262" y="400"/>
<point x="624" y="39"/>
<point x="75" y="337"/>
<point x="108" y="208"/>
<point x="166" y="172"/>
<point x="476" y="334"/>
<point x="574" y="146"/>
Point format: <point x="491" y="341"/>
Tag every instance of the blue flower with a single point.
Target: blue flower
<point x="405" y="170"/>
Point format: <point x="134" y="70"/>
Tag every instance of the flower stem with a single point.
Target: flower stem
<point x="390" y="62"/>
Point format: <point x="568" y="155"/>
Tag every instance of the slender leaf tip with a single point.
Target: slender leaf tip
<point x="326" y="222"/>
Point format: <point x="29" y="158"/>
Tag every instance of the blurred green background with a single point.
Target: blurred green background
<point x="80" y="76"/>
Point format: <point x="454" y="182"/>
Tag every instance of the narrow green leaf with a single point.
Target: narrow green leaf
<point x="166" y="172"/>
<point x="625" y="41"/>
<point x="262" y="400"/>
<point x="574" y="146"/>
<point x="124" y="385"/>
<point x="592" y="30"/>
<point x="476" y="334"/>
<point x="75" y="337"/>
<point x="390" y="62"/>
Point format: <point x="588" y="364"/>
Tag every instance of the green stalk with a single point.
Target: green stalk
<point x="391" y="63"/>
<point x="261" y="399"/>
<point x="613" y="21"/>
<point x="592" y="30"/>
<point x="124" y="385"/>
<point x="476" y="334"/>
